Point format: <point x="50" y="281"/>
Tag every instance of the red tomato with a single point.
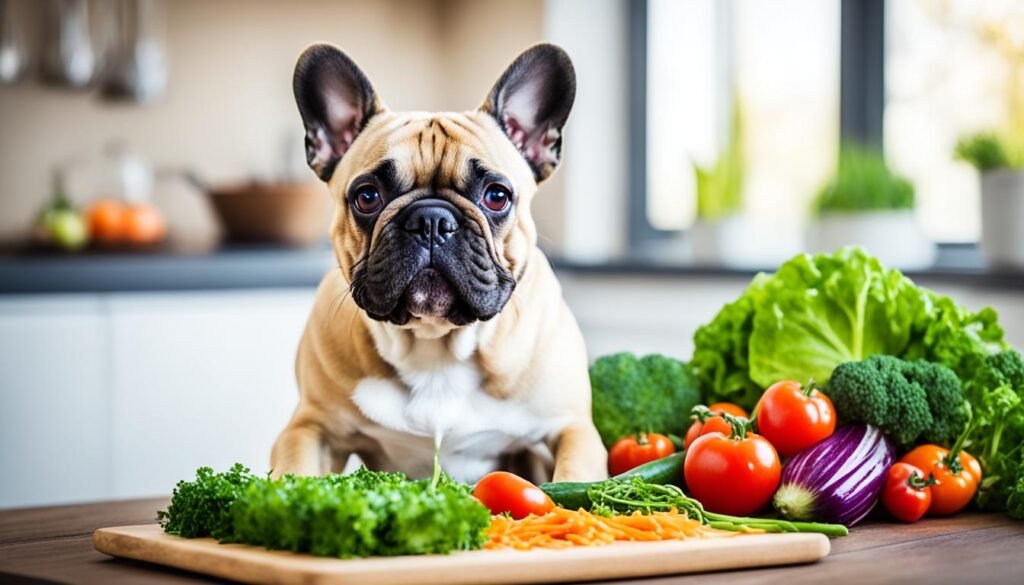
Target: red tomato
<point x="907" y="494"/>
<point x="713" y="424"/>
<point x="953" y="489"/>
<point x="728" y="408"/>
<point x="793" y="417"/>
<point x="630" y="452"/>
<point x="502" y="492"/>
<point x="732" y="475"/>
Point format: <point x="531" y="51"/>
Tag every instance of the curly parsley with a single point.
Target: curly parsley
<point x="356" y="515"/>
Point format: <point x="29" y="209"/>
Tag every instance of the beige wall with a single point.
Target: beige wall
<point x="228" y="113"/>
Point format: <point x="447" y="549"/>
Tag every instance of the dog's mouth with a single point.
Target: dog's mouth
<point x="429" y="294"/>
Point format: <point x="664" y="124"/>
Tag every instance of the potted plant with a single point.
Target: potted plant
<point x="1000" y="164"/>
<point x="719" y="232"/>
<point x="868" y="204"/>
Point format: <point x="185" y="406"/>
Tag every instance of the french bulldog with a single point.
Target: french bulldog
<point x="443" y="326"/>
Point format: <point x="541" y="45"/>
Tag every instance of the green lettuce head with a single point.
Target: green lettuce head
<point x="819" y="311"/>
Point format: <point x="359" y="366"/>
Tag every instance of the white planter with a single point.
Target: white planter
<point x="895" y="237"/>
<point x="738" y="241"/>
<point x="1002" y="218"/>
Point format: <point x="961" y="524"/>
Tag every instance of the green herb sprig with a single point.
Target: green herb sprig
<point x="634" y="494"/>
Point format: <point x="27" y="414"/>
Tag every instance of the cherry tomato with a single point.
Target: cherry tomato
<point x="502" y="492"/>
<point x="630" y="452"/>
<point x="954" y="488"/>
<point x="793" y="417"/>
<point x="713" y="424"/>
<point x="732" y="475"/>
<point x="907" y="494"/>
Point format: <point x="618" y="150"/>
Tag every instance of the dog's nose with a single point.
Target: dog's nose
<point x="431" y="221"/>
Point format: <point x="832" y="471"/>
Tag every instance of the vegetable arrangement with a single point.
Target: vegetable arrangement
<point x="911" y="382"/>
<point x="908" y="376"/>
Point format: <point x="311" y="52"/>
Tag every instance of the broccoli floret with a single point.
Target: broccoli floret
<point x="634" y="395"/>
<point x="909" y="401"/>
<point x="946" y="403"/>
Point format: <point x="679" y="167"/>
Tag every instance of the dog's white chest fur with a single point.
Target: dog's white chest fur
<point x="439" y="398"/>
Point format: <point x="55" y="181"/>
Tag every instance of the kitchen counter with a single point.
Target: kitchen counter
<point x="229" y="268"/>
<point x="246" y="267"/>
<point x="47" y="545"/>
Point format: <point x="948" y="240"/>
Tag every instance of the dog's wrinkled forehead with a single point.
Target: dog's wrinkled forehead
<point x="443" y="154"/>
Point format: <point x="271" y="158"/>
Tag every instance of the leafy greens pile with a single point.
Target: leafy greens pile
<point x="996" y="393"/>
<point x="819" y="311"/>
<point x="355" y="515"/>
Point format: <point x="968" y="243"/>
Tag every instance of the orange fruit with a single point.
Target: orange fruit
<point x="143" y="224"/>
<point x="106" y="219"/>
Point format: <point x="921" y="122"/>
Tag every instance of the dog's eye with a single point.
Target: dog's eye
<point x="496" y="197"/>
<point x="367" y="199"/>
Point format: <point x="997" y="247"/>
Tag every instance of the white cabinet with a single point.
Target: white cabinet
<point x="122" y="395"/>
<point x="54" y="400"/>
<point x="199" y="380"/>
<point x="645" y="315"/>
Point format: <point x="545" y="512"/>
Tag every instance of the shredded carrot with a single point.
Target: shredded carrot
<point x="563" y="528"/>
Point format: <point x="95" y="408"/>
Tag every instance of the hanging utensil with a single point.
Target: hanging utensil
<point x="13" y="56"/>
<point x="69" y="58"/>
<point x="138" y="70"/>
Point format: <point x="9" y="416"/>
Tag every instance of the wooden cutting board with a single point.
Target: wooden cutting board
<point x="619" y="560"/>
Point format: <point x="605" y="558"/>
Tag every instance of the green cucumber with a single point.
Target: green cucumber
<point x="573" y="494"/>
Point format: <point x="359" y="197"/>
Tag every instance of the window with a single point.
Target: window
<point x="948" y="67"/>
<point x="777" y="64"/>
<point x="952" y="67"/>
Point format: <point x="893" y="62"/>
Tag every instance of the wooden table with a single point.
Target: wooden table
<point x="47" y="545"/>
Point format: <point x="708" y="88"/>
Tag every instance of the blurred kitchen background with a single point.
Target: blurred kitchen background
<point x="162" y="236"/>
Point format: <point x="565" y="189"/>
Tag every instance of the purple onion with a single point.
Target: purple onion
<point x="839" y="479"/>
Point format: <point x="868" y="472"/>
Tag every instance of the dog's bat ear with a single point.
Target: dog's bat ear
<point x="335" y="101"/>
<point x="531" y="102"/>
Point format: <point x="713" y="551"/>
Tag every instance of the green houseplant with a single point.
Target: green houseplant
<point x="866" y="203"/>
<point x="999" y="158"/>
<point x="721" y="234"/>
<point x="720" y="186"/>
